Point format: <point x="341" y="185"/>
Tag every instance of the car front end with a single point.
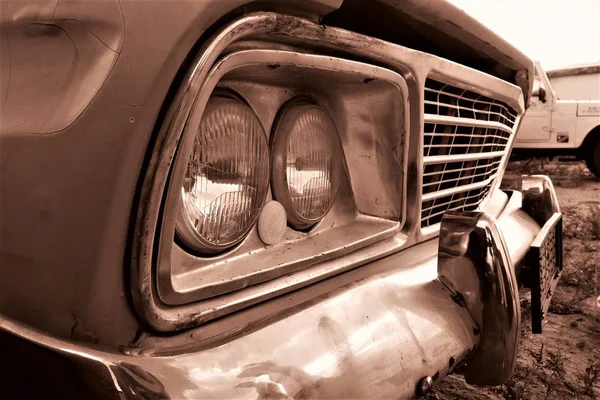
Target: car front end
<point x="263" y="201"/>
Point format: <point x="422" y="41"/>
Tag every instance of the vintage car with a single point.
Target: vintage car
<point x="567" y="126"/>
<point x="262" y="199"/>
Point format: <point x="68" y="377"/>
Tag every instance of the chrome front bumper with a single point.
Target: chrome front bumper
<point x="383" y="330"/>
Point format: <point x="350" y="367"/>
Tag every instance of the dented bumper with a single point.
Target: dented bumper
<point x="387" y="329"/>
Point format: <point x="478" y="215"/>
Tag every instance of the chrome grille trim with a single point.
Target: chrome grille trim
<point x="455" y="170"/>
<point x="433" y="160"/>
<point x="469" y="200"/>
<point x="441" y="119"/>
<point x="444" y="99"/>
<point x="458" y="189"/>
<point x="465" y="138"/>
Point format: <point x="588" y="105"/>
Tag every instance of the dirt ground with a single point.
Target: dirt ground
<point x="564" y="362"/>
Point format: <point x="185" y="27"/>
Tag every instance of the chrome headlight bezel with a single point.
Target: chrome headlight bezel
<point x="367" y="209"/>
<point x="180" y="283"/>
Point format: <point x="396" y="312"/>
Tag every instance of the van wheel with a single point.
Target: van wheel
<point x="592" y="160"/>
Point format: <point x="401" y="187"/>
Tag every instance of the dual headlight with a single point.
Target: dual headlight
<point x="227" y="176"/>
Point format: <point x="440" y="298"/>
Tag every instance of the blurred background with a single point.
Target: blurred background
<point x="558" y="33"/>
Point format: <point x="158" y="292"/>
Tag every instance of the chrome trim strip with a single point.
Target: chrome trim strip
<point x="510" y="95"/>
<point x="476" y="123"/>
<point x="491" y="165"/>
<point x="476" y="111"/>
<point x="458" y="189"/>
<point x="461" y="157"/>
<point x="439" y="134"/>
<point x="436" y="205"/>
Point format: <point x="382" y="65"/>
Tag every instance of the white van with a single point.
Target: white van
<point x="555" y="126"/>
<point x="579" y="82"/>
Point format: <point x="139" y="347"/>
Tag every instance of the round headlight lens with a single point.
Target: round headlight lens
<point x="226" y="179"/>
<point x="307" y="163"/>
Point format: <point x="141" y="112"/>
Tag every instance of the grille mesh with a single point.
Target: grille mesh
<point x="465" y="138"/>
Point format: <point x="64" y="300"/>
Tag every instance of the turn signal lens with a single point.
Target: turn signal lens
<point x="226" y="179"/>
<point x="307" y="163"/>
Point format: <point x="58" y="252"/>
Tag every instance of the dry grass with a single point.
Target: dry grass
<point x="582" y="221"/>
<point x="555" y="169"/>
<point x="583" y="278"/>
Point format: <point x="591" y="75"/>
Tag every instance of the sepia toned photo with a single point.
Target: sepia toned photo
<point x="300" y="199"/>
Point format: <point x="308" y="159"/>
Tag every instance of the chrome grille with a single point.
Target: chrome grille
<point x="465" y="138"/>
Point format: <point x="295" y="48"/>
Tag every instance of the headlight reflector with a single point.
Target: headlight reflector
<point x="226" y="178"/>
<point x="306" y="163"/>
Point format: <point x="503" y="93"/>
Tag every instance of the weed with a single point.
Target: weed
<point x="538" y="355"/>
<point x="585" y="280"/>
<point x="582" y="221"/>
<point x="590" y="246"/>
<point x="571" y="276"/>
<point x="556" y="364"/>
<point x="595" y="222"/>
<point x="589" y="283"/>
<point x="514" y="389"/>
<point x="591" y="377"/>
<point x="564" y="308"/>
<point x="551" y="389"/>
<point x="525" y="317"/>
